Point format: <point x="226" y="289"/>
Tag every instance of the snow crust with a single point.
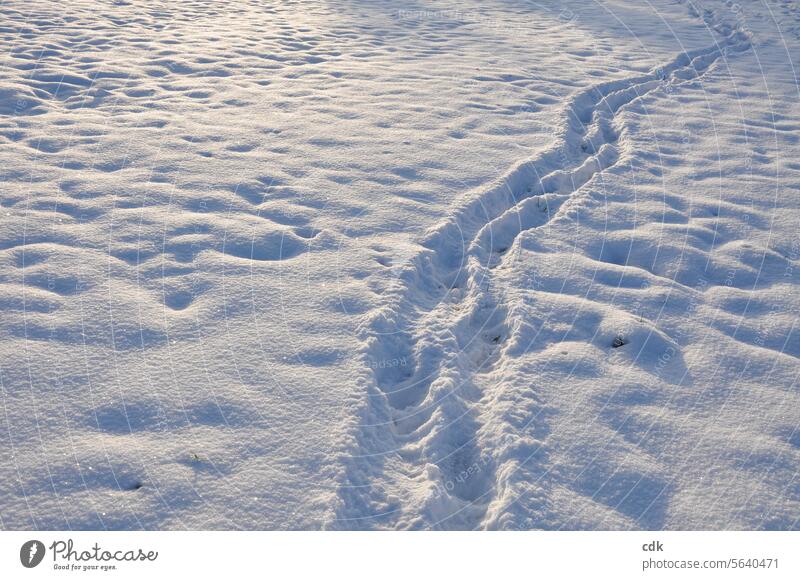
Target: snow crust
<point x="391" y="265"/>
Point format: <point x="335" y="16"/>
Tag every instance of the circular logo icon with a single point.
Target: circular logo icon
<point x="31" y="553"/>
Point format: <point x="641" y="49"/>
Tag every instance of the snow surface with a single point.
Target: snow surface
<point x="365" y="264"/>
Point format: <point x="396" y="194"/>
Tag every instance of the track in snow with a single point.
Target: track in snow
<point x="447" y="326"/>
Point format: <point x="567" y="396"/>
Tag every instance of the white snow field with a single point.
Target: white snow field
<point x="370" y="264"/>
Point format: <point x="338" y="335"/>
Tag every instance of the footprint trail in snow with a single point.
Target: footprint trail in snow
<point x="449" y="324"/>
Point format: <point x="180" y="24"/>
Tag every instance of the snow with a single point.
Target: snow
<point x="367" y="265"/>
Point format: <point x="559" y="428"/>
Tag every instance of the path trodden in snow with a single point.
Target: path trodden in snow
<point x="483" y="265"/>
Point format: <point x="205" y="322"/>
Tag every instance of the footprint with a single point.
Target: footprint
<point x="274" y="246"/>
<point x="241" y="147"/>
<point x="179" y="300"/>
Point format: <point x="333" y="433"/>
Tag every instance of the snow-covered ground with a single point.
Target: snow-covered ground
<point x="377" y="264"/>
